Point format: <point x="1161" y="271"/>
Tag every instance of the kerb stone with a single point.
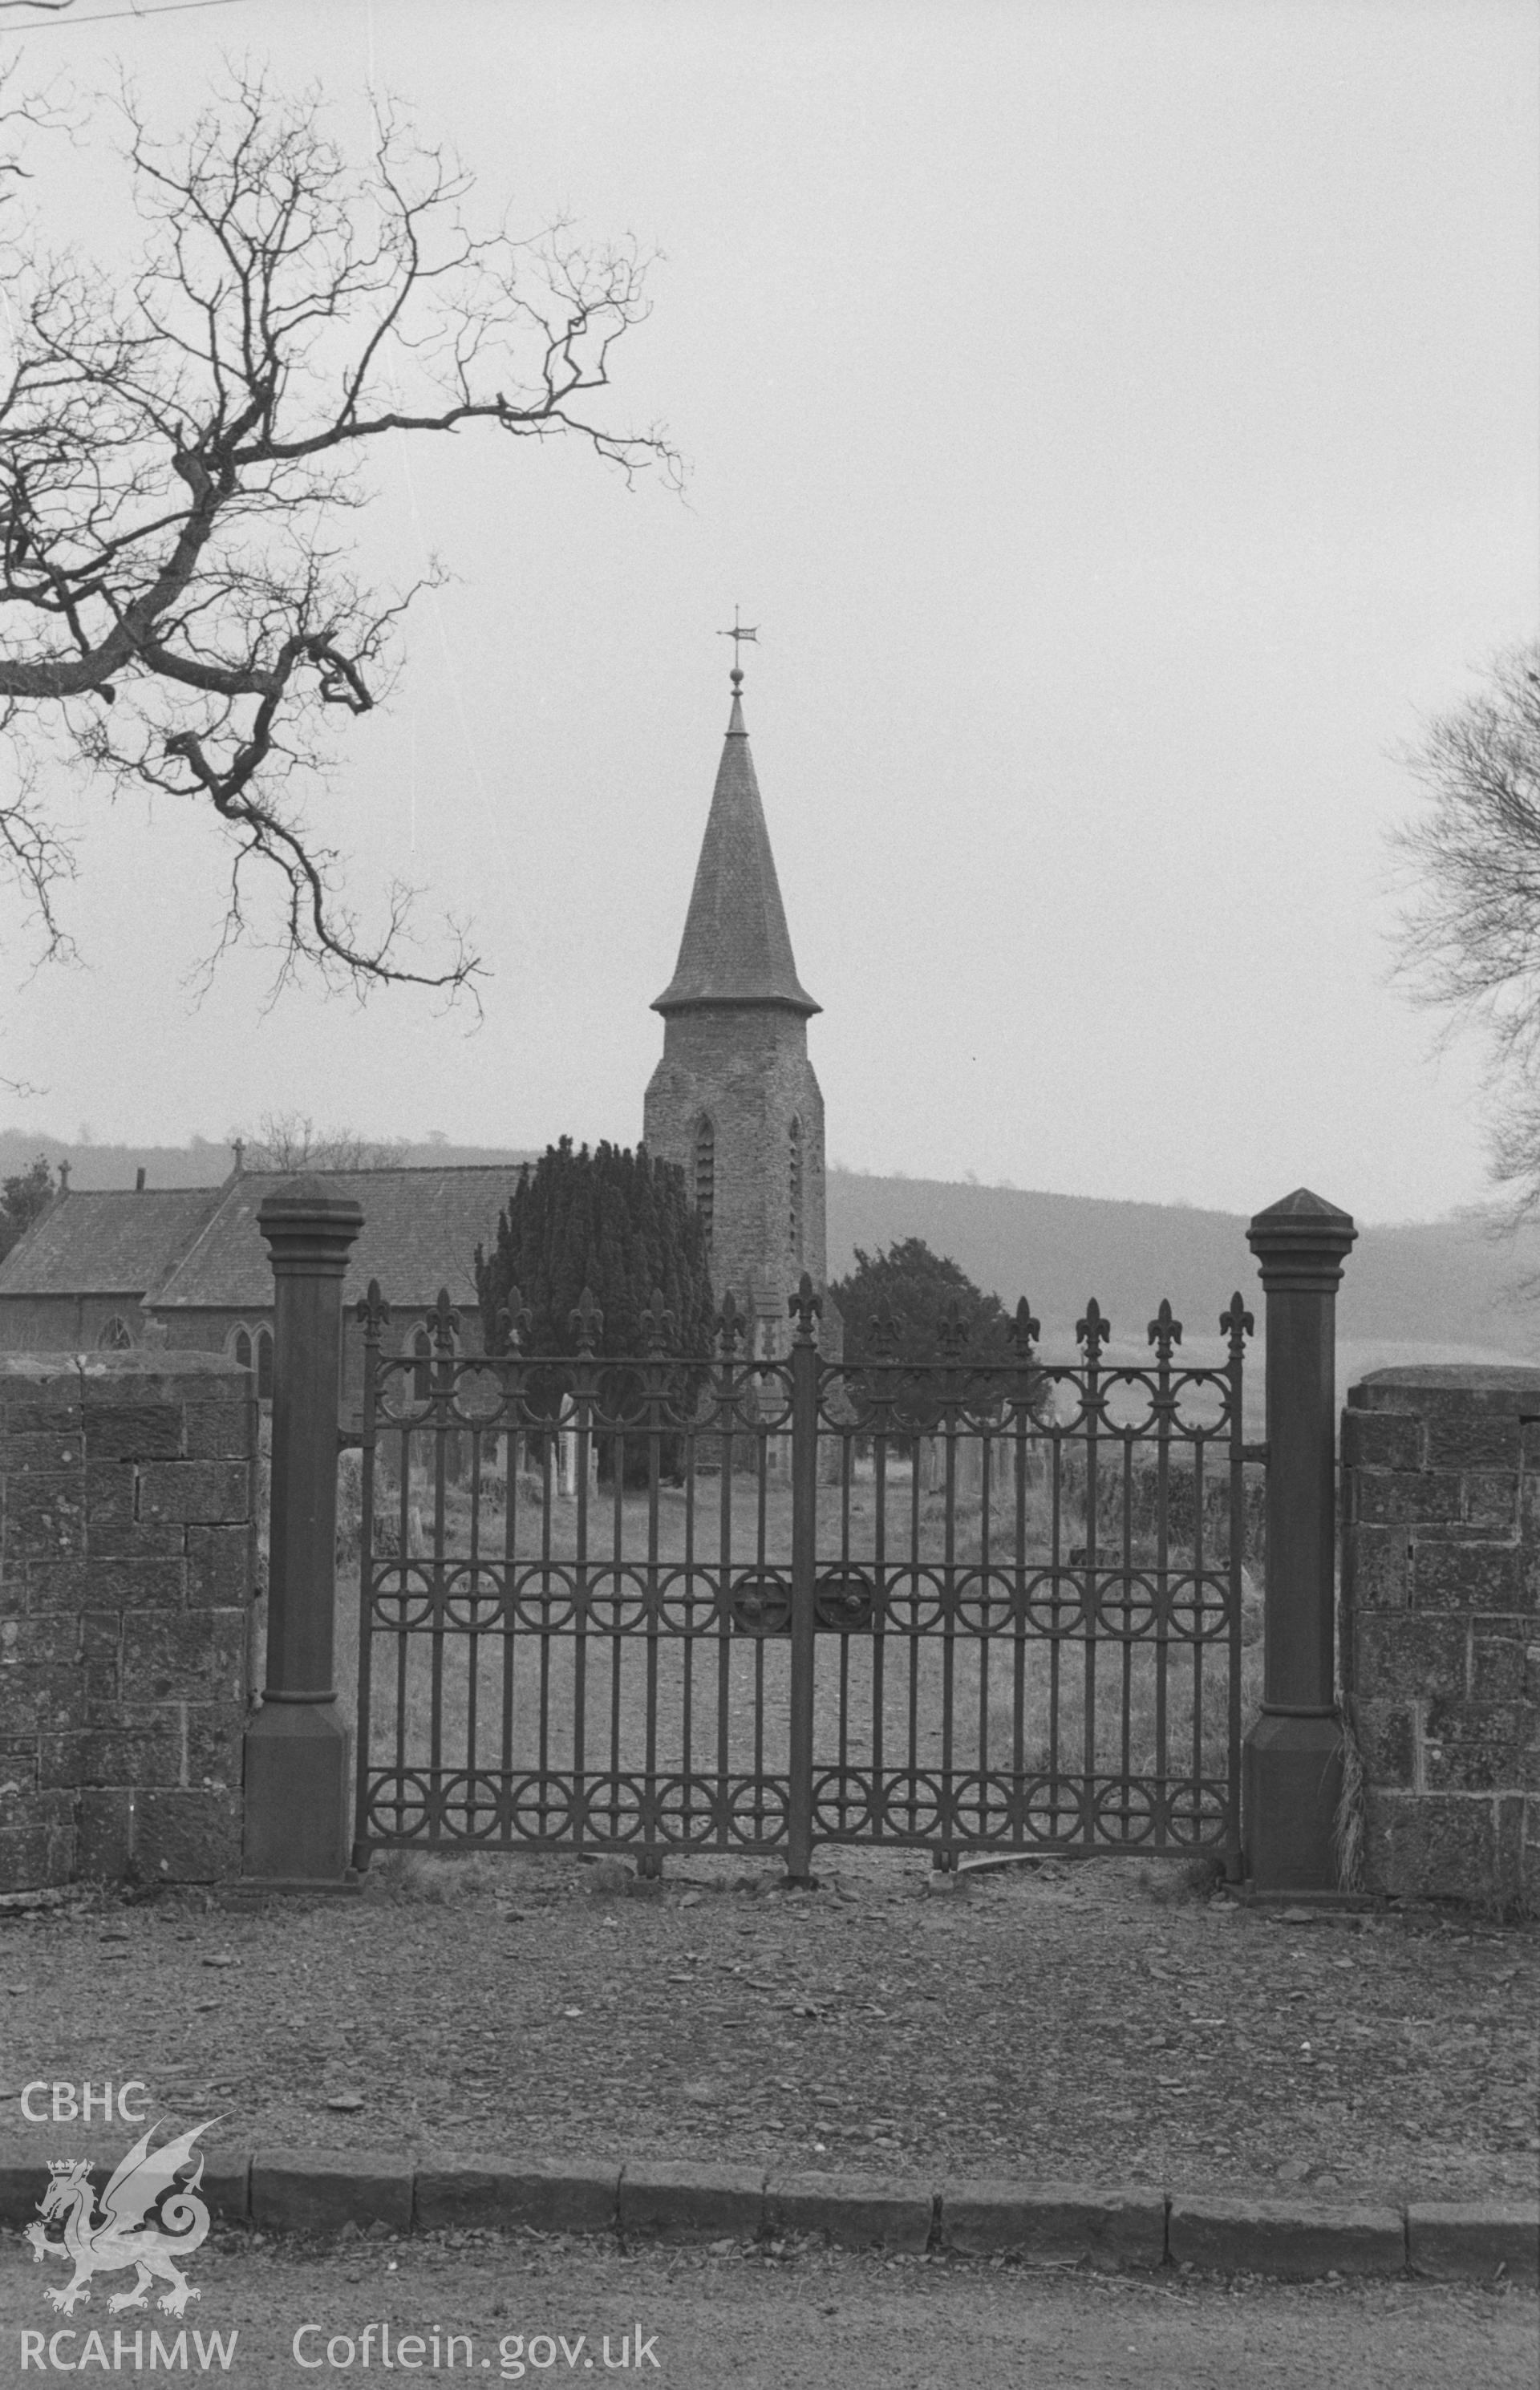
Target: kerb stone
<point x="538" y="2195"/>
<point x="226" y="2185"/>
<point x="23" y="2179"/>
<point x="1472" y="2242"/>
<point x="676" y="2201"/>
<point x="1109" y="2227"/>
<point x="852" y="2211"/>
<point x="322" y="2191"/>
<point x="1294" y="2239"/>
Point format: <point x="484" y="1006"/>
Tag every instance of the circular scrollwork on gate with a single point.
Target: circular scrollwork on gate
<point x="842" y="1601"/>
<point x="1199" y="1608"/>
<point x="473" y="1599"/>
<point x="615" y="1809"/>
<point x="985" y="1809"/>
<point x="472" y="1807"/>
<point x="544" y="1597"/>
<point x="913" y="1600"/>
<point x="1197" y="1813"/>
<point x="759" y="1603"/>
<point x="909" y="1806"/>
<point x="1055" y="1603"/>
<point x="762" y="1398"/>
<point x="1126" y="1604"/>
<point x="855" y="1402"/>
<point x="984" y="1602"/>
<point x="397" y="1807"/>
<point x="757" y="1812"/>
<point x="1127" y="1404"/>
<point x="615" y="1600"/>
<point x="396" y="1404"/>
<point x="543" y="1403"/>
<point x="401" y="1597"/>
<point x="1055" y="1809"/>
<point x="687" y="1602"/>
<point x="540" y="1809"/>
<point x="476" y="1396"/>
<point x="841" y="1803"/>
<point x="1126" y="1812"/>
<point x="1203" y="1398"/>
<point x="688" y="1811"/>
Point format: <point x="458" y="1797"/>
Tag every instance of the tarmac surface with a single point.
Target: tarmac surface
<point x="722" y="2320"/>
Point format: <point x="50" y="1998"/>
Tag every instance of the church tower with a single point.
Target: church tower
<point x="734" y="1101"/>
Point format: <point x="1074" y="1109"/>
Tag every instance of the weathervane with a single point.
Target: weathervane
<point x="739" y="632"/>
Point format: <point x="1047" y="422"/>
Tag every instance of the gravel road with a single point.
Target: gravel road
<point x="727" y="2321"/>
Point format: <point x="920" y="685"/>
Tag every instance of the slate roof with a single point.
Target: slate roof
<point x="736" y="948"/>
<point x="421" y="1228"/>
<point x="96" y="1243"/>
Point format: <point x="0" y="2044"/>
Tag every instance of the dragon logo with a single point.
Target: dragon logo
<point x="146" y="2221"/>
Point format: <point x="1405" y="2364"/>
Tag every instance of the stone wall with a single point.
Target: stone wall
<point x="1441" y="1636"/>
<point x="747" y="1068"/>
<point x="65" y="1323"/>
<point x="126" y="1567"/>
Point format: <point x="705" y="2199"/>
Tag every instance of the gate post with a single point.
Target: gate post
<point x="1292" y="1765"/>
<point x="297" y="1746"/>
<point x="804" y="1307"/>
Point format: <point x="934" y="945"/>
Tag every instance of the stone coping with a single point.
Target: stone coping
<point x="1055" y="2223"/>
<point x="1470" y="1377"/>
<point x="104" y="1374"/>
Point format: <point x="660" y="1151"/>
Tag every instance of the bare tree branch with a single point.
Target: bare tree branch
<point x="176" y="455"/>
<point x="1470" y="941"/>
<point x="292" y="1141"/>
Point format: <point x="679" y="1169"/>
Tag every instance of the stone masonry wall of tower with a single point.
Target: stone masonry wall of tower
<point x="748" y="1072"/>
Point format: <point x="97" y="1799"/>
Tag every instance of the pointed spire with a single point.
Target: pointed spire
<point x="736" y="948"/>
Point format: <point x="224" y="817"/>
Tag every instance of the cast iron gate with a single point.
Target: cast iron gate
<point x="652" y="1606"/>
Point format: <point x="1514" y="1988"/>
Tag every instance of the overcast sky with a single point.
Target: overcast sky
<point x="1122" y="422"/>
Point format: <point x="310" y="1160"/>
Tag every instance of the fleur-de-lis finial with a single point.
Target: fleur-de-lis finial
<point x="443" y="1321"/>
<point x="882" y="1336"/>
<point x="1236" y="1322"/>
<point x="730" y="1326"/>
<point x="1024" y="1330"/>
<point x="516" y="1323"/>
<point x="951" y="1333"/>
<point x="373" y="1312"/>
<point x="588" y="1322"/>
<point x="1093" y="1332"/>
<point x="657" y="1325"/>
<point x="1164" y="1331"/>
<point x="806" y="1306"/>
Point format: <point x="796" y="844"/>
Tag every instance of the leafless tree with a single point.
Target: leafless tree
<point x="1470" y="939"/>
<point x="179" y="453"/>
<point x="292" y="1141"/>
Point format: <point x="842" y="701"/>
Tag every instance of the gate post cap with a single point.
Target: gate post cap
<point x="1301" y="1240"/>
<point x="304" y="1212"/>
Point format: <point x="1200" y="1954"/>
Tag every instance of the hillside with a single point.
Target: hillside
<point x="1446" y="1283"/>
<point x="202" y="1163"/>
<point x="1436" y="1289"/>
